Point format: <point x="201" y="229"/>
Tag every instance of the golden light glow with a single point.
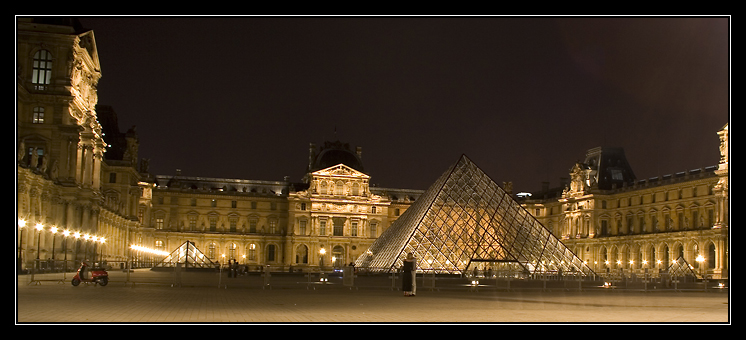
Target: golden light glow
<point x="148" y="250"/>
<point x="39" y="226"/>
<point x="21" y="223"/>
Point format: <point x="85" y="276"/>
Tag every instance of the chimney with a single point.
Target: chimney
<point x="359" y="151"/>
<point x="311" y="155"/>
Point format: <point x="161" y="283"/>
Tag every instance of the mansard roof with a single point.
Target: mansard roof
<point x="333" y="153"/>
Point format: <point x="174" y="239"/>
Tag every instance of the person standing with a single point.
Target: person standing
<point x="409" y="282"/>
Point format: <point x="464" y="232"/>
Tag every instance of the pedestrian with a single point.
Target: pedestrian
<point x="409" y="282"/>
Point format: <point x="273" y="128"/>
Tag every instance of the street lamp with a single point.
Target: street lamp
<point x="701" y="259"/>
<point x="39" y="227"/>
<point x="21" y="225"/>
<point x="102" y="240"/>
<point x="322" y="251"/>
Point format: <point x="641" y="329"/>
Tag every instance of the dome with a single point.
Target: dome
<point x="333" y="153"/>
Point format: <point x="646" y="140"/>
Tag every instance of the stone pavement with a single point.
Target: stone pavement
<point x="150" y="301"/>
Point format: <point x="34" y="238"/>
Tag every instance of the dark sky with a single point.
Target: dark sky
<point x="524" y="98"/>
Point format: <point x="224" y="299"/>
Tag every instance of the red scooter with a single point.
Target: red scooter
<point x="97" y="275"/>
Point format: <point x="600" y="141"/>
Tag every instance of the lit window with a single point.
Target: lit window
<point x="41" y="69"/>
<point x="38" y="117"/>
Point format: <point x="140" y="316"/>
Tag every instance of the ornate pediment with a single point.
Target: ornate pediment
<point x="340" y="170"/>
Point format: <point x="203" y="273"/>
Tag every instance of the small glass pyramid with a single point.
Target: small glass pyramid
<point x="681" y="268"/>
<point x="464" y="218"/>
<point x="188" y="255"/>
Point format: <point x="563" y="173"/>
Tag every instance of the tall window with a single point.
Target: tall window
<point x="159" y="221"/>
<point x="41" y="69"/>
<point x="271" y="253"/>
<point x="159" y="245"/>
<point x="213" y="223"/>
<point x="232" y="251"/>
<point x="192" y="222"/>
<point x="338" y="229"/>
<point x="353" y="229"/>
<point x="233" y="221"/>
<point x="252" y="226"/>
<point x="322" y="228"/>
<point x="252" y="252"/>
<point x="302" y="227"/>
<point x="211" y="251"/>
<point x="272" y="226"/>
<point x="373" y="229"/>
<point x="340" y="188"/>
<point x="38" y="117"/>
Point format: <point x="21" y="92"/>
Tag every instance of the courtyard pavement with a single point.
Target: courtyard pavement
<point x="152" y="298"/>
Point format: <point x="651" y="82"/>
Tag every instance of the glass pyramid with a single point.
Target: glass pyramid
<point x="466" y="218"/>
<point x="188" y="255"/>
<point x="681" y="268"/>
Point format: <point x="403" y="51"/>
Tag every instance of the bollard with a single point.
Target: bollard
<point x="267" y="275"/>
<point x="393" y="278"/>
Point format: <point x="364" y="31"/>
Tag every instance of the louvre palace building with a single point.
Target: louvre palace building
<point x="84" y="193"/>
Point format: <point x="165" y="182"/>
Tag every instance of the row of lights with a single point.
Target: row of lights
<point x="40" y="227"/>
<point x="699" y="259"/>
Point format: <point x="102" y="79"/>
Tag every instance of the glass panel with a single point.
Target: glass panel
<point x="463" y="217"/>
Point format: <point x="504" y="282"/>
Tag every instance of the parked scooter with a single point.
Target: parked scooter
<point x="97" y="275"/>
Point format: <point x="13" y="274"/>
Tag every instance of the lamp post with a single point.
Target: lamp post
<point x="39" y="227"/>
<point x="21" y="225"/>
<point x="77" y="238"/>
<point x="322" y="251"/>
<point x="85" y="249"/>
<point x="65" y="234"/>
<point x="102" y="240"/>
<point x="54" y="242"/>
<point x="700" y="260"/>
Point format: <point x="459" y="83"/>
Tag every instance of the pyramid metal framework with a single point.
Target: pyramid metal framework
<point x="464" y="218"/>
<point x="188" y="255"/>
<point x="681" y="268"/>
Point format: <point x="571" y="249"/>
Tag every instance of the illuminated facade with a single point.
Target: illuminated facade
<point x="325" y="221"/>
<point x="616" y="222"/>
<point x="76" y="171"/>
<point x="63" y="151"/>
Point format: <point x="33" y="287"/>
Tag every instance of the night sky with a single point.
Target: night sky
<point x="524" y="98"/>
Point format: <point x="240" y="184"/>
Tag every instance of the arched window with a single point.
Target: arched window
<point x="301" y="254"/>
<point x="711" y="263"/>
<point x="340" y="189"/>
<point x="232" y="251"/>
<point x="271" y="253"/>
<point x="338" y="256"/>
<point x="211" y="251"/>
<point x="356" y="189"/>
<point x="41" y="73"/>
<point x="252" y="252"/>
